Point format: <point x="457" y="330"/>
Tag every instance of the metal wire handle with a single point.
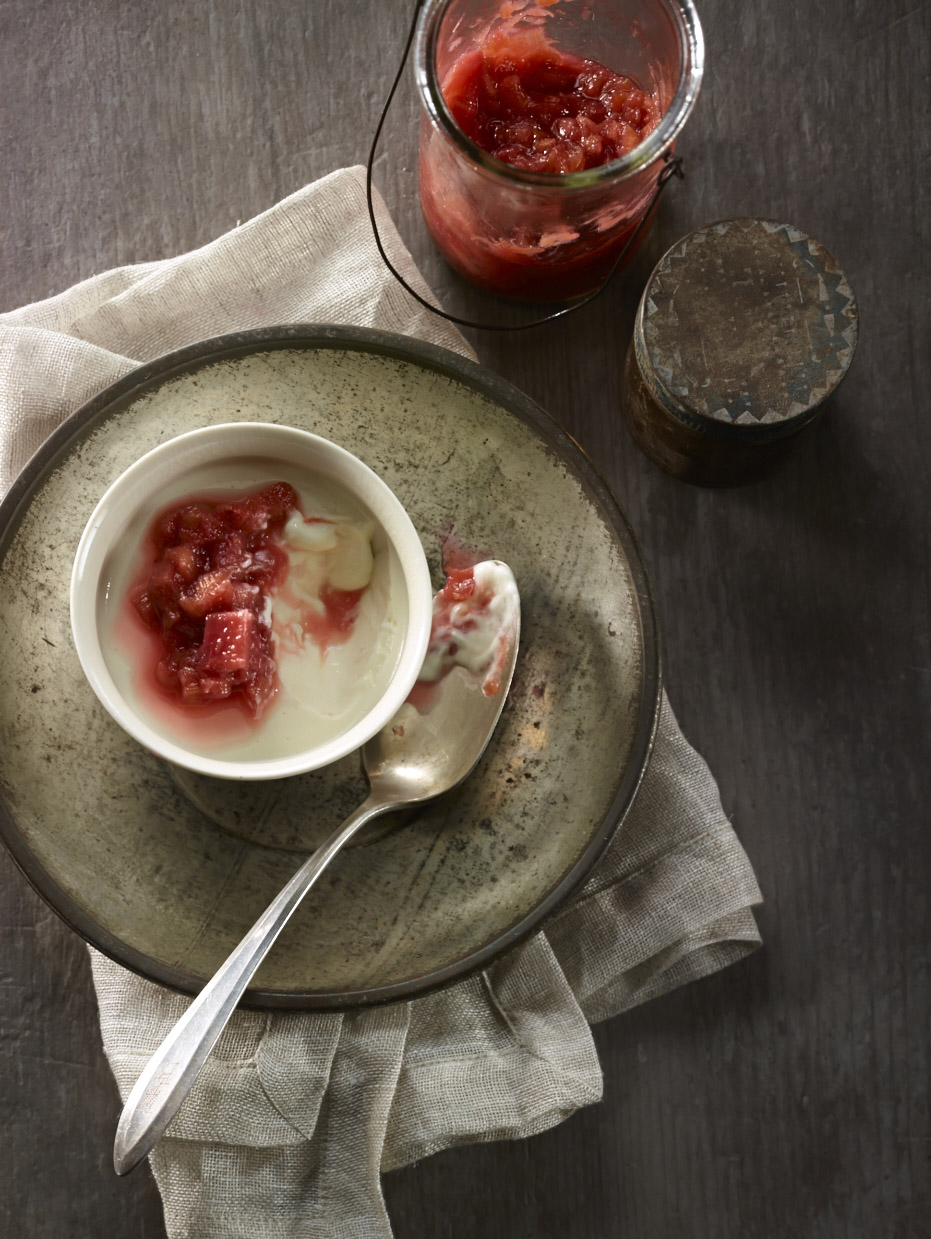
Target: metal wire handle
<point x="672" y="166"/>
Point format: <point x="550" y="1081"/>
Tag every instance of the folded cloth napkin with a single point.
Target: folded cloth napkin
<point x="296" y="1115"/>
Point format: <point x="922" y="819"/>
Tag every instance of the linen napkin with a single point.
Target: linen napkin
<point x="296" y="1116"/>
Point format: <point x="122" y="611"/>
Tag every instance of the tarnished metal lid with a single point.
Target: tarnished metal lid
<point x="745" y="328"/>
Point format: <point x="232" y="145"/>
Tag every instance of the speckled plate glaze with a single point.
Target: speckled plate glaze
<point x="163" y="870"/>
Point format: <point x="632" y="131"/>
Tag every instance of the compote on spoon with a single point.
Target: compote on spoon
<point x="428" y="748"/>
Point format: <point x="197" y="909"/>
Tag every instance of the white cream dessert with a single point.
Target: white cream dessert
<point x="329" y="616"/>
<point x="335" y="681"/>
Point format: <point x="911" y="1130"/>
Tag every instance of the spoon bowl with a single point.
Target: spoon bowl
<point x="418" y="752"/>
<point x="425" y="750"/>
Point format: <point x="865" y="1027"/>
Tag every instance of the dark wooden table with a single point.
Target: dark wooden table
<point x="787" y="1096"/>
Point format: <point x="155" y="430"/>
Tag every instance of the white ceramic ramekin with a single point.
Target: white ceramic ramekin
<point x="160" y="475"/>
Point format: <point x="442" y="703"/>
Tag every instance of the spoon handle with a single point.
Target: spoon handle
<point x="171" y="1071"/>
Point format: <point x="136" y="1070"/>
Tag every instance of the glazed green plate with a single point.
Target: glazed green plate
<point x="164" y="870"/>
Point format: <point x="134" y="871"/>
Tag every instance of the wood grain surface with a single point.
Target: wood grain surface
<point x="787" y="1096"/>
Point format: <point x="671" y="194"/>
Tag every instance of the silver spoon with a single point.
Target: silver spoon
<point x="414" y="758"/>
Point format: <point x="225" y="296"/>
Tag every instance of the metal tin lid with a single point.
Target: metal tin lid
<point x="744" y="329"/>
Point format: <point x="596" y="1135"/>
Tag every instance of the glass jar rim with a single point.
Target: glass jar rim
<point x="653" y="146"/>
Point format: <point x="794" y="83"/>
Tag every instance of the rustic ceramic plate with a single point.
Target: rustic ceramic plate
<point x="164" y="870"/>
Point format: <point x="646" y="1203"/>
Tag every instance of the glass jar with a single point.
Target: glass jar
<point x="547" y="236"/>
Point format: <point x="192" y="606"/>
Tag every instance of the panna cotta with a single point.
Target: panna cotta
<point x="254" y="618"/>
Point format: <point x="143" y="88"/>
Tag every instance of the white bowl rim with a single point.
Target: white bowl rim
<point x="354" y="475"/>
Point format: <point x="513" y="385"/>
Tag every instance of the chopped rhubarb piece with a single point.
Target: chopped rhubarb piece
<point x="184" y="561"/>
<point x="212" y="591"/>
<point x="460" y="584"/>
<point x="278" y="500"/>
<point x="198" y="525"/>
<point x="244" y="595"/>
<point x="230" y="552"/>
<point x="260" y="687"/>
<point x="214" y="688"/>
<point x="248" y="517"/>
<point x="227" y="644"/>
<point x="143" y="604"/>
<point x="163" y="586"/>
